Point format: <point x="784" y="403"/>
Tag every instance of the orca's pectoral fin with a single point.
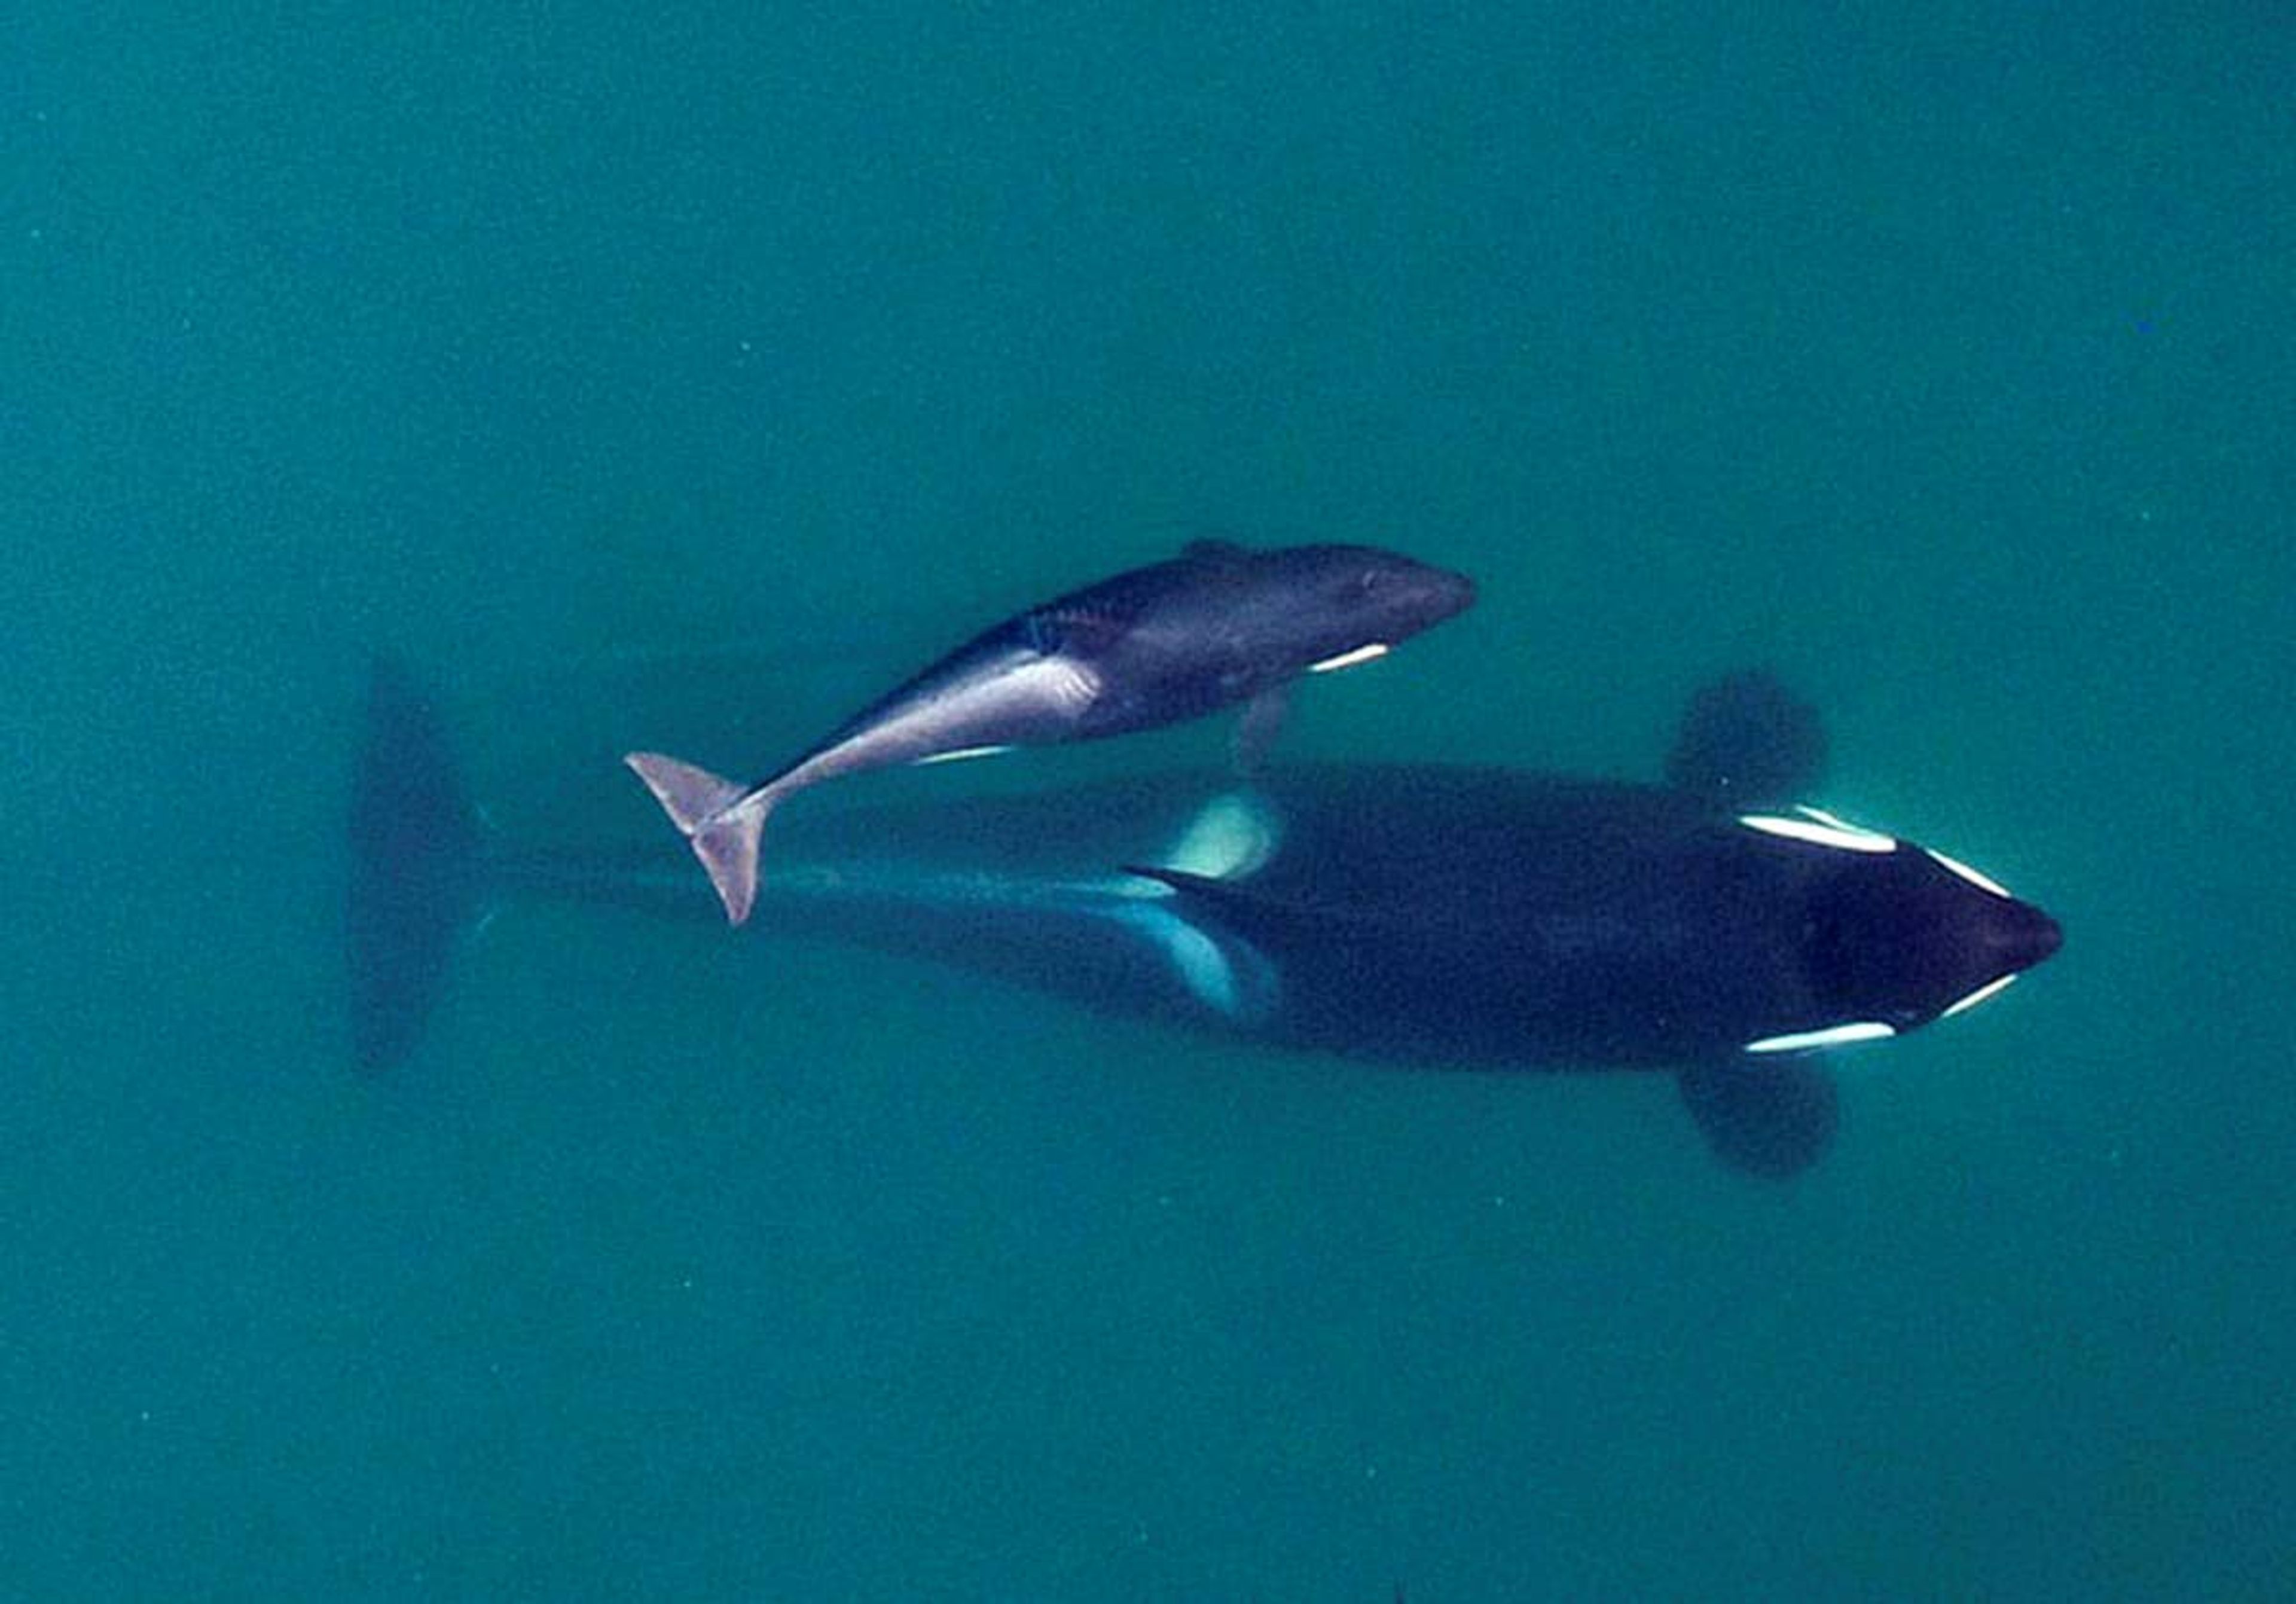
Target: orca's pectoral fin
<point x="1773" y="1120"/>
<point x="1256" y="730"/>
<point x="1747" y="741"/>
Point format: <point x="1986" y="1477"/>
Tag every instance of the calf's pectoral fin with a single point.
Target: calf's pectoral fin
<point x="1256" y="730"/>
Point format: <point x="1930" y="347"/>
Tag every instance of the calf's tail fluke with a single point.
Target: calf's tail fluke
<point x="720" y="819"/>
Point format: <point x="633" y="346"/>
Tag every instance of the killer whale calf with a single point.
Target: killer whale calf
<point x="1216" y="625"/>
<point x="1423" y="914"/>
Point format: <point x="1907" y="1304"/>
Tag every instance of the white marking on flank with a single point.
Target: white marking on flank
<point x="960" y="754"/>
<point x="1833" y="1035"/>
<point x="1208" y="971"/>
<point x="1991" y="988"/>
<point x="1981" y="881"/>
<point x="1204" y="967"/>
<point x="1819" y="828"/>
<point x="1348" y="659"/>
<point x="1231" y="836"/>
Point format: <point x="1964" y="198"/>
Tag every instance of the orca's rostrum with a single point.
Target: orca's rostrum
<point x="1430" y="914"/>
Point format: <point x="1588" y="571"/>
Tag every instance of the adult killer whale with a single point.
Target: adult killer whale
<point x="1427" y="914"/>
<point x="1216" y="625"/>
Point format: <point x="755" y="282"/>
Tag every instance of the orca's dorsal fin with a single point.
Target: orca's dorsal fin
<point x="1250" y="911"/>
<point x="1768" y="1120"/>
<point x="1209" y="887"/>
<point x="1747" y="741"/>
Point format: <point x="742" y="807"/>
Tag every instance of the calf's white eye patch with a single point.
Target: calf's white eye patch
<point x="1348" y="659"/>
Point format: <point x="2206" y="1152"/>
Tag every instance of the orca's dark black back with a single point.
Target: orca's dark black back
<point x="1513" y="919"/>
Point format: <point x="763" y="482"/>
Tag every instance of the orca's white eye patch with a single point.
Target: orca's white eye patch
<point x="1818" y="828"/>
<point x="1832" y="1035"/>
<point x="1983" y="882"/>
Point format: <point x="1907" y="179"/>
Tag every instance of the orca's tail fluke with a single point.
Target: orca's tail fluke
<point x="722" y="821"/>
<point x="417" y="867"/>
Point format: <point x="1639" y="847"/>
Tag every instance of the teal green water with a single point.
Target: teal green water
<point x="1945" y="366"/>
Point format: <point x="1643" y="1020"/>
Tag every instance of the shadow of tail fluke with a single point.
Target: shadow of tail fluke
<point x="415" y="868"/>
